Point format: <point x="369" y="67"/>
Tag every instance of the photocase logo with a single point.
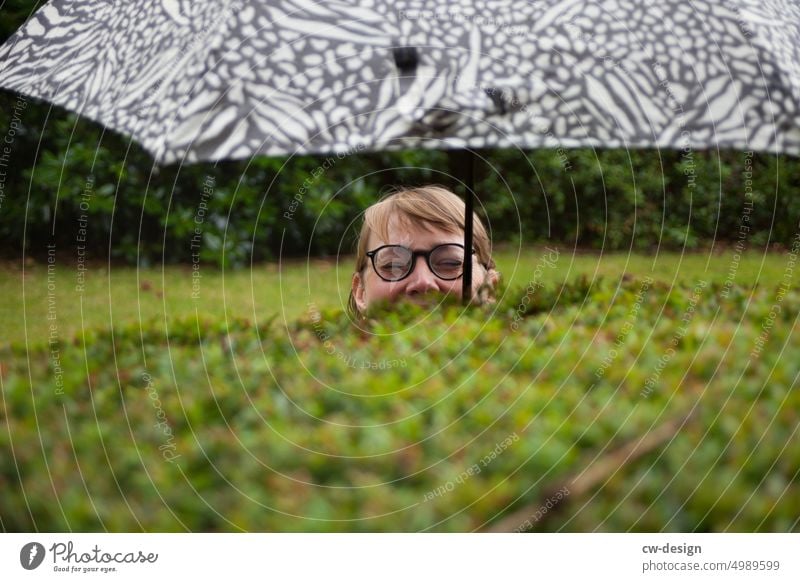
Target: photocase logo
<point x="31" y="555"/>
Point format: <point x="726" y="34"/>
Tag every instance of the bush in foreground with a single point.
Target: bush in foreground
<point x="585" y="407"/>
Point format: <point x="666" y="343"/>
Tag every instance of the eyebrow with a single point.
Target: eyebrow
<point x="433" y="246"/>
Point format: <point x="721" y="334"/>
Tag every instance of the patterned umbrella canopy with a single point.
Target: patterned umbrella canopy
<point x="228" y="79"/>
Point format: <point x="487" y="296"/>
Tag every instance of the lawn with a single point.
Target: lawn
<point x="120" y="295"/>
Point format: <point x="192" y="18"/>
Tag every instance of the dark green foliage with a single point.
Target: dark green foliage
<point x="322" y="426"/>
<point x="641" y="199"/>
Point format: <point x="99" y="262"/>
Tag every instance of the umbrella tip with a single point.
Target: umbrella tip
<point x="406" y="58"/>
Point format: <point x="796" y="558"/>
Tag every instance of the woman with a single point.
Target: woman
<point x="412" y="246"/>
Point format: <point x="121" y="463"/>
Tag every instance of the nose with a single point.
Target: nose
<point x="421" y="280"/>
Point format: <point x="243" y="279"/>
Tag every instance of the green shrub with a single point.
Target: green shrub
<point x="442" y="421"/>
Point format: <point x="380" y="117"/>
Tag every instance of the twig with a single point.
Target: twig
<point x="596" y="474"/>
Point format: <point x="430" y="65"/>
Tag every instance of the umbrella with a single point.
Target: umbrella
<point x="229" y="79"/>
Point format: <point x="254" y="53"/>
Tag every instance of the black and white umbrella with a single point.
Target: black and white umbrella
<point x="230" y="79"/>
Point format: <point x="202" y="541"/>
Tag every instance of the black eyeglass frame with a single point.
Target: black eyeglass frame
<point x="414" y="254"/>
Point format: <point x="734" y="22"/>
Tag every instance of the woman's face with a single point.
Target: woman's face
<point x="421" y="286"/>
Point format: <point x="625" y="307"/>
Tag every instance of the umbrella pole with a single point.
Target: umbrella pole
<point x="468" y="168"/>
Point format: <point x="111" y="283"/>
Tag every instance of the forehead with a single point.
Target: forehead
<point x="413" y="234"/>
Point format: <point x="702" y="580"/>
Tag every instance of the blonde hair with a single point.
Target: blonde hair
<point x="432" y="206"/>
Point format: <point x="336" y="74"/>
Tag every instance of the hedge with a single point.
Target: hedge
<point x="528" y="413"/>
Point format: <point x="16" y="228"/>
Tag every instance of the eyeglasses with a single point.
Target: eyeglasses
<point x="394" y="263"/>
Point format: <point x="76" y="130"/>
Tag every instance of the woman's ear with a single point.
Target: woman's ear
<point x="359" y="292"/>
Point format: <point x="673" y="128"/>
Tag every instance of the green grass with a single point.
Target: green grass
<point x="121" y="295"/>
